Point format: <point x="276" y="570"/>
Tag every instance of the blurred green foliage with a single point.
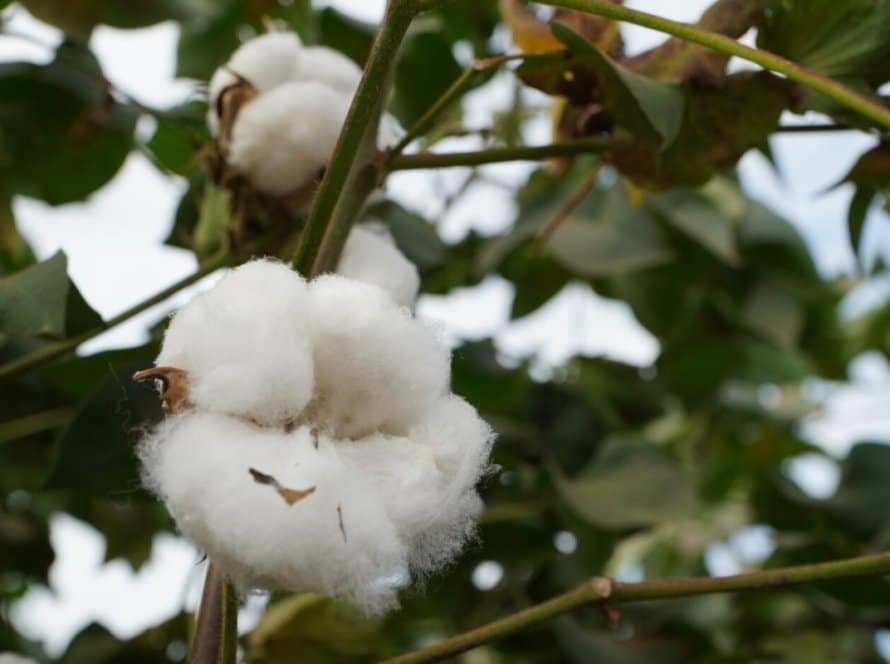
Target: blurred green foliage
<point x="644" y="466"/>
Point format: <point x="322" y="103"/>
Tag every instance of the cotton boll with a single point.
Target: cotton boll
<point x="370" y="255"/>
<point x="244" y="344"/>
<point x="325" y="65"/>
<point x="264" y="62"/>
<point x="376" y="368"/>
<point x="283" y="138"/>
<point x="199" y="465"/>
<point x="15" y="658"/>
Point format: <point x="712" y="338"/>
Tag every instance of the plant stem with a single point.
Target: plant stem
<point x="56" y="350"/>
<point x="216" y="630"/>
<point x="568" y="207"/>
<point x="448" y="97"/>
<point x="322" y="238"/>
<point x="603" y="589"/>
<point x="495" y="155"/>
<point x="803" y="75"/>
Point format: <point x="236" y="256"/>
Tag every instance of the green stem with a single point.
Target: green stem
<point x="354" y="150"/>
<point x="496" y="155"/>
<point x="461" y="83"/>
<point x="812" y="79"/>
<point x="216" y="631"/>
<point x="56" y="350"/>
<point x="600" y="590"/>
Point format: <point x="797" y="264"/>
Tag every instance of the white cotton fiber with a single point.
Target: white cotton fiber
<point x="282" y="139"/>
<point x="337" y="399"/>
<point x="264" y="62"/>
<point x="325" y="65"/>
<point x="376" y="367"/>
<point x="199" y="465"/>
<point x="370" y="255"/>
<point x="245" y="346"/>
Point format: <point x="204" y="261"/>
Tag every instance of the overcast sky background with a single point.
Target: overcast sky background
<point x="113" y="242"/>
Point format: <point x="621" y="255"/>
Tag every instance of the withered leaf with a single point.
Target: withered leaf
<point x="290" y="496"/>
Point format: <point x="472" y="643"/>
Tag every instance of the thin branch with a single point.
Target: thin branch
<point x="58" y="349"/>
<point x="461" y="83"/>
<point x="812" y="128"/>
<point x="320" y="242"/>
<point x="568" y="207"/>
<point x="603" y="589"/>
<point x="497" y="155"/>
<point x="803" y="75"/>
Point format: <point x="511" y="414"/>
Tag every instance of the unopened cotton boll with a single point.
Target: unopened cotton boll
<point x="337" y="540"/>
<point x="376" y="367"/>
<point x="370" y="255"/>
<point x="282" y="139"/>
<point x="264" y="62"/>
<point x="244" y="344"/>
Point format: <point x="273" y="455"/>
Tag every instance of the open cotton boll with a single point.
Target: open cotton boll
<point x="264" y="62"/>
<point x="15" y="658"/>
<point x="337" y="540"/>
<point x="244" y="344"/>
<point x="376" y="367"/>
<point x="283" y="138"/>
<point x="370" y="255"/>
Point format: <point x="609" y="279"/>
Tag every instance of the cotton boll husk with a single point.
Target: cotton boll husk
<point x="244" y="344"/>
<point x="325" y="65"/>
<point x="370" y="255"/>
<point x="265" y="62"/>
<point x="198" y="464"/>
<point x="282" y="139"/>
<point x="376" y="368"/>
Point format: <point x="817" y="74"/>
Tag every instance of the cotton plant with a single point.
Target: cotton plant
<point x="312" y="442"/>
<point x="276" y="109"/>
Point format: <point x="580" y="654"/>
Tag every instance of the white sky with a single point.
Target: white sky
<point x="116" y="259"/>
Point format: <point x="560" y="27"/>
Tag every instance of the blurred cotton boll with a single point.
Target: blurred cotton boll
<point x="263" y="62"/>
<point x="371" y="255"/>
<point x="318" y="448"/>
<point x="325" y="65"/>
<point x="283" y="139"/>
<point x="15" y="658"/>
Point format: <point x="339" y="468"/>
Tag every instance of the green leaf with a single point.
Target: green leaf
<point x="775" y="314"/>
<point x="319" y="628"/>
<point x="179" y="134"/>
<point x="415" y="236"/>
<point x="856" y="216"/>
<point x="619" y="238"/>
<point x="62" y="135"/>
<point x="630" y="484"/>
<point x="721" y="123"/>
<point x="849" y="39"/>
<point x="863" y="498"/>
<point x="212" y="231"/>
<point x="33" y="302"/>
<point x="425" y="70"/>
<point x="96" y="449"/>
<point x="695" y="215"/>
<point x="649" y="108"/>
<point x="77" y="18"/>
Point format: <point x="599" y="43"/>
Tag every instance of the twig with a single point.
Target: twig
<point x="497" y="155"/>
<point x="600" y="589"/>
<point x="568" y="207"/>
